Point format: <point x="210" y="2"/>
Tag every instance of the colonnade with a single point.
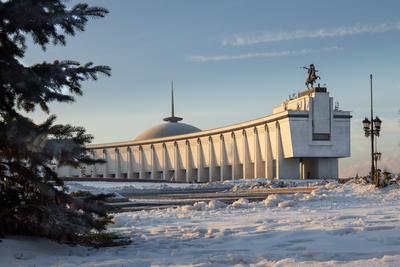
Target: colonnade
<point x="215" y="157"/>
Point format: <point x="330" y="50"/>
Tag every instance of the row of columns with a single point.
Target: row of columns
<point x="247" y="172"/>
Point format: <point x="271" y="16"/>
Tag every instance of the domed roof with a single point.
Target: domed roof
<point x="167" y="129"/>
<point x="171" y="127"/>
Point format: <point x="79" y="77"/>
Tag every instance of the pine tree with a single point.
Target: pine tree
<point x="33" y="200"/>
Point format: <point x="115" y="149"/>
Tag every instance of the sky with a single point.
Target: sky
<point x="234" y="60"/>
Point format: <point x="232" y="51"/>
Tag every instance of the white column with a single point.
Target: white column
<point x="234" y="159"/>
<point x="210" y="159"/>
<point x="301" y="169"/>
<point x="222" y="157"/>
<point x="141" y="163"/>
<point x="117" y="161"/>
<point x="165" y="162"/>
<point x="199" y="161"/>
<point x="129" y="163"/>
<point x="105" y="168"/>
<point x="268" y="155"/>
<point x="245" y="154"/>
<point x="187" y="164"/>
<point x="176" y="162"/>
<point x="279" y="155"/>
<point x="257" y="156"/>
<point x="93" y="167"/>
<point x="153" y="162"/>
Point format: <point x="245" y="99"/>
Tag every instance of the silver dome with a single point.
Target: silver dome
<point x="167" y="129"/>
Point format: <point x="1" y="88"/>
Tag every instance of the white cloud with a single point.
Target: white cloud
<point x="333" y="48"/>
<point x="273" y="54"/>
<point x="268" y="37"/>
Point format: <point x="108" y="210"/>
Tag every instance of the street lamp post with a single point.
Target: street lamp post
<point x="372" y="128"/>
<point x="377" y="156"/>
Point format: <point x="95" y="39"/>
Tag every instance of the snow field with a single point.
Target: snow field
<point x="346" y="225"/>
<point x="335" y="224"/>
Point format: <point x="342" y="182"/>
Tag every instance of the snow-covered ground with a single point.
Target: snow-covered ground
<point x="137" y="187"/>
<point x="351" y="225"/>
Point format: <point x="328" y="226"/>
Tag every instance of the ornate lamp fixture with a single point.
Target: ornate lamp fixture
<point x="377" y="124"/>
<point x="367" y="125"/>
<point x="377" y="156"/>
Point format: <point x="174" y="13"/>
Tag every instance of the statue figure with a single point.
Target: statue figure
<point x="312" y="75"/>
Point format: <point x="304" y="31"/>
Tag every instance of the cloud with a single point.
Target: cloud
<point x="273" y="54"/>
<point x="268" y="37"/>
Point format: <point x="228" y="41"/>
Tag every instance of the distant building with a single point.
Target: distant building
<point x="302" y="139"/>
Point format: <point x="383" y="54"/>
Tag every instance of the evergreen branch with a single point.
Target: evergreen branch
<point x="44" y="20"/>
<point x="46" y="82"/>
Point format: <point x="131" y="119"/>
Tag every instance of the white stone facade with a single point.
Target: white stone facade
<point x="302" y="139"/>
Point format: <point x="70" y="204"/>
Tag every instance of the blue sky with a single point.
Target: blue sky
<point x="233" y="61"/>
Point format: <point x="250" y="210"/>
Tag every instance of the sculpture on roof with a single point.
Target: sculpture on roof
<point x="312" y="75"/>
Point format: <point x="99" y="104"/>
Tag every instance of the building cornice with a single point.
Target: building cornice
<point x="231" y="128"/>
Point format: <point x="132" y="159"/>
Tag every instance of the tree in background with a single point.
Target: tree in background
<point x="33" y="200"/>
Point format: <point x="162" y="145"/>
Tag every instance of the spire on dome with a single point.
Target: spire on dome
<point x="172" y="118"/>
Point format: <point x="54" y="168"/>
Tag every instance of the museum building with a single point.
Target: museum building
<point x="303" y="138"/>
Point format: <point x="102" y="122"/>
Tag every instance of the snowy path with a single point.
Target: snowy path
<point x="335" y="225"/>
<point x="168" y="200"/>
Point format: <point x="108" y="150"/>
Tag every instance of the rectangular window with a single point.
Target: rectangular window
<point x="321" y="137"/>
